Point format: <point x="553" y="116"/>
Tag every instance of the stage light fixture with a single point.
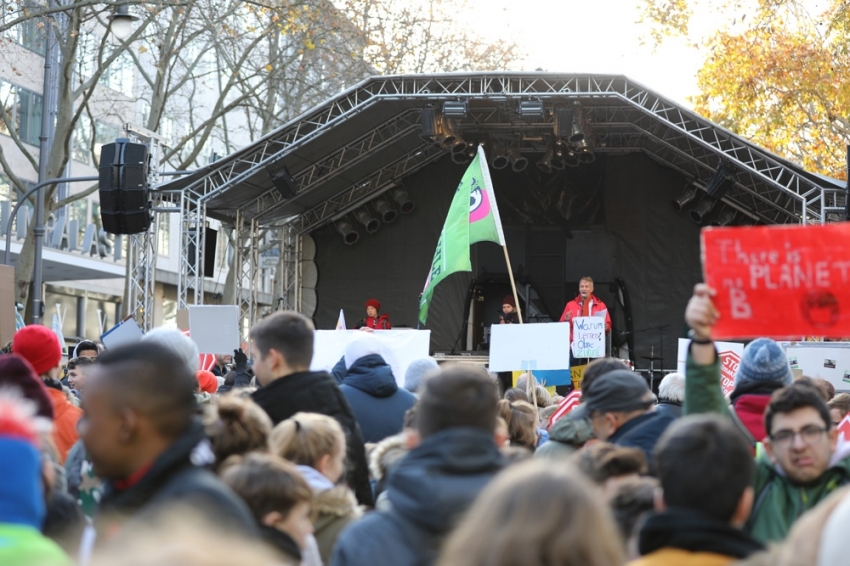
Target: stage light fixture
<point x="367" y="220"/>
<point x="403" y="201"/>
<point x="385" y="209"/>
<point x="724" y="218"/>
<point x="576" y="131"/>
<point x="461" y="158"/>
<point x="453" y="139"/>
<point x="585" y="155"/>
<point x="571" y="158"/>
<point x="498" y="159"/>
<point x="454" y="109"/>
<point x="545" y="163"/>
<point x="722" y="180"/>
<point x="702" y="209"/>
<point x="688" y="194"/>
<point x="347" y="231"/>
<point x="518" y="162"/>
<point x="531" y="108"/>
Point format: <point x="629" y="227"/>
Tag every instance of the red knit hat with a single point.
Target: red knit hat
<point x="373" y="303"/>
<point x="207" y="381"/>
<point x="509" y="300"/>
<point x="17" y="372"/>
<point x="39" y="346"/>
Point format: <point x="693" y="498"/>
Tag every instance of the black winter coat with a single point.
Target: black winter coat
<point x="318" y="392"/>
<point x="429" y="491"/>
<point x="643" y="432"/>
<point x="177" y="477"/>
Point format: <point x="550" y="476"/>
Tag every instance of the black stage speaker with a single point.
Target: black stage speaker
<point x="563" y="122"/>
<point x="284" y="183"/>
<point x="208" y="260"/>
<point x="123" y="187"/>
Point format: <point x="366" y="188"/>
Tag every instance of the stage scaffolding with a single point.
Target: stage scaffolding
<point x="363" y="142"/>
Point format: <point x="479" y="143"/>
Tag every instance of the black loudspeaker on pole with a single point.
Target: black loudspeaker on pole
<point x="123" y="187"/>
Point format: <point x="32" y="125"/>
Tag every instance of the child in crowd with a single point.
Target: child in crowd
<point x="521" y="418"/>
<point x="237" y="426"/>
<point x="279" y="499"/>
<point x="316" y="443"/>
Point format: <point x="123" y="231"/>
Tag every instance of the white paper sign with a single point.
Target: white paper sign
<point x="589" y="337"/>
<point x="400" y="348"/>
<point x="517" y="346"/>
<point x="722" y="347"/>
<point x="124" y="333"/>
<point x="215" y="328"/>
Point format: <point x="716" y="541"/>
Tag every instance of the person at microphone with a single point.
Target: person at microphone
<point x="585" y="304"/>
<point x="509" y="313"/>
<point x="373" y="320"/>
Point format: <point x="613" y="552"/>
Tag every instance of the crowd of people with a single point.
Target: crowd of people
<point x="138" y="455"/>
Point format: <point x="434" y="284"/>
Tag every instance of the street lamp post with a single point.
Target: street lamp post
<point x="121" y="26"/>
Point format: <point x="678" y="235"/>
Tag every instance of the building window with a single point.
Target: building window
<point x="23" y="112"/>
<point x="29" y="34"/>
<point x="104" y="133"/>
<point x="79" y="211"/>
<point x="119" y="75"/>
<point x="163" y="235"/>
<point x="81" y="140"/>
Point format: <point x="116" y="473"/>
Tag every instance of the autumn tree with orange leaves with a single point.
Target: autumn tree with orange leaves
<point x="775" y="72"/>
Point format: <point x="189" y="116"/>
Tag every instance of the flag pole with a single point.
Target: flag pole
<point x="513" y="284"/>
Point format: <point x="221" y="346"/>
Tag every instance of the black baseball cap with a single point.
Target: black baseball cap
<point x="615" y="391"/>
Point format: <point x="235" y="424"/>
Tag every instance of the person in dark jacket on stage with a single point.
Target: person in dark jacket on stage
<point x="509" y="312"/>
<point x="141" y="434"/>
<point x="453" y="457"/>
<point x="282" y="349"/>
<point x="373" y="320"/>
<point x="622" y="411"/>
<point x="372" y="391"/>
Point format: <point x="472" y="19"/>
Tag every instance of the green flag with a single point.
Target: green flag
<point x="473" y="217"/>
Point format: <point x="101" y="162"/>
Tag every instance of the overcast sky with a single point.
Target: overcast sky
<point x="594" y="36"/>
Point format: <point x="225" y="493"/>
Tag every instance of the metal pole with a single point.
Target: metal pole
<point x="28" y="194"/>
<point x="43" y="155"/>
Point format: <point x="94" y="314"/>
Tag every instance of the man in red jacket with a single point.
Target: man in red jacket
<point x="585" y="304"/>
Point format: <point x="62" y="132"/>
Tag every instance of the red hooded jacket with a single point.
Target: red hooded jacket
<point x="597" y="308"/>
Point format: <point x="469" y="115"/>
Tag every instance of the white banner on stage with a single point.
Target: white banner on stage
<point x="401" y="347"/>
<point x="543" y="346"/>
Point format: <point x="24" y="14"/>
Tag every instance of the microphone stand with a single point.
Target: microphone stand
<point x="660" y="330"/>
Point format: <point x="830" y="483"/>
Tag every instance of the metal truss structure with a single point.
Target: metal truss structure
<point x="363" y="142"/>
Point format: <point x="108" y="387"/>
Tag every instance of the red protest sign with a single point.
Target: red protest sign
<point x="779" y="281"/>
<point x="729" y="362"/>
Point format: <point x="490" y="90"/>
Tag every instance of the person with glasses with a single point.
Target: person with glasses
<point x="799" y="462"/>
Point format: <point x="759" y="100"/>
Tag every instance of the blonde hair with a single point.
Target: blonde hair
<point x="536" y="514"/>
<point x="237" y="426"/>
<point x="306" y="437"/>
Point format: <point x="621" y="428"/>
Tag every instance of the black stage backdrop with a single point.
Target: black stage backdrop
<point x="609" y="219"/>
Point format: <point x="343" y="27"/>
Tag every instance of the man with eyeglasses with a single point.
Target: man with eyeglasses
<point x="797" y="464"/>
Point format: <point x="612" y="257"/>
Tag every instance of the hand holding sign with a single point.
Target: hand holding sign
<point x="779" y="281"/>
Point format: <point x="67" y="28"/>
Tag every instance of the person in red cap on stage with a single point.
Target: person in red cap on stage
<point x="373" y="320"/>
<point x="509" y="314"/>
<point x="40" y="346"/>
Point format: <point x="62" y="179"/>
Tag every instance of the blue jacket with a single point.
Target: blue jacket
<point x="429" y="491"/>
<point x="643" y="432"/>
<point x="375" y="398"/>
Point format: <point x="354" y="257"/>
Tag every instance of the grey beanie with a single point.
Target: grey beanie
<point x="764" y="360"/>
<point x="178" y="343"/>
<point x="417" y="370"/>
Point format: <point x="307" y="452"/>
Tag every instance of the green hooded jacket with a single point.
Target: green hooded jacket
<point x="779" y="501"/>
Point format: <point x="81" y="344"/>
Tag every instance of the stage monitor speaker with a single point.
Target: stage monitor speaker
<point x="123" y="187"/>
<point x="284" y="182"/>
<point x="208" y="260"/>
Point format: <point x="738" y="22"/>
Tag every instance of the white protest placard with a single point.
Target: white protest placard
<point x="589" y="337"/>
<point x="399" y="348"/>
<point x="543" y="346"/>
<point x="730" y="356"/>
<point x="125" y="332"/>
<point x="215" y="328"/>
